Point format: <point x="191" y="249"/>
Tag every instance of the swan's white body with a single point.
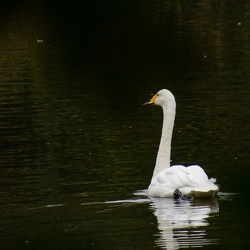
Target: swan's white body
<point x="190" y="180"/>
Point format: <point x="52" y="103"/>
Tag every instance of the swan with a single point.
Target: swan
<point x="176" y="180"/>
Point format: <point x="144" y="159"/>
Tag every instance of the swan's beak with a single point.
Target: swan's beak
<point x="152" y="101"/>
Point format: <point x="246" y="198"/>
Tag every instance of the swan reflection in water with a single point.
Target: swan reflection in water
<point x="183" y="224"/>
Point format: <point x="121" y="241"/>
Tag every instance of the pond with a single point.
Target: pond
<point x="78" y="148"/>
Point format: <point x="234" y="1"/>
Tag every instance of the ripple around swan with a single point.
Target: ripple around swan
<point x="183" y="224"/>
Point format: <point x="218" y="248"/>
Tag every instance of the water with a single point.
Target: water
<point x="76" y="142"/>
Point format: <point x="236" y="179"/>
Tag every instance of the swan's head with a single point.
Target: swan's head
<point x="163" y="98"/>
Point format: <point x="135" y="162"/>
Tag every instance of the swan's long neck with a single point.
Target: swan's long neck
<point x="163" y="156"/>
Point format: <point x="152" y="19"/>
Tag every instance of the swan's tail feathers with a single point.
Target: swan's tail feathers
<point x="213" y="180"/>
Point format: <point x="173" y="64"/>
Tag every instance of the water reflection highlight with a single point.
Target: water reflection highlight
<point x="183" y="224"/>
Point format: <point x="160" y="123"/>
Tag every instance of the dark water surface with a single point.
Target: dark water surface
<point x="76" y="142"/>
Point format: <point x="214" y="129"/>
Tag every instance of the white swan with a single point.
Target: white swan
<point x="166" y="180"/>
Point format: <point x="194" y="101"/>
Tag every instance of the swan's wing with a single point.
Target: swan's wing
<point x="197" y="175"/>
<point x="179" y="176"/>
<point x="187" y="179"/>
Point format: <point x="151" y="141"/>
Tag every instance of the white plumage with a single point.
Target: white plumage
<point x="190" y="180"/>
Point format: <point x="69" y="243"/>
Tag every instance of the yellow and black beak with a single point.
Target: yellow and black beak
<point x="152" y="100"/>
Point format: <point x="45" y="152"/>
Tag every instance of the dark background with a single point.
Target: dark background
<point x="74" y="133"/>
